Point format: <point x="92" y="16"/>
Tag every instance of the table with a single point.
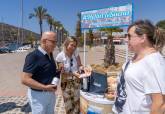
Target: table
<point x="96" y="103"/>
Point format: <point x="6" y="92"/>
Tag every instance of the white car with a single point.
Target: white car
<point x="22" y="49"/>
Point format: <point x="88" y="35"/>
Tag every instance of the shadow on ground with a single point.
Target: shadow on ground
<point x="26" y="108"/>
<point x="4" y="107"/>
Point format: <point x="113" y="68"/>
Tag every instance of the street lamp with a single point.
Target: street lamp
<point x="61" y="35"/>
<point x="22" y="22"/>
<point x="2" y="30"/>
<point x="58" y="38"/>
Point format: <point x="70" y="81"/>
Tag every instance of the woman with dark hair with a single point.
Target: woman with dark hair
<point x="141" y="85"/>
<point x="70" y="82"/>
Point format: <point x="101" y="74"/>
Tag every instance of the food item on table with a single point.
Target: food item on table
<point x="110" y="96"/>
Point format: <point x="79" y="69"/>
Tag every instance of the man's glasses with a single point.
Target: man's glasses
<point x="53" y="41"/>
<point x="71" y="62"/>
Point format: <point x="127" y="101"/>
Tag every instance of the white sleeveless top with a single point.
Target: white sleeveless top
<point x="63" y="58"/>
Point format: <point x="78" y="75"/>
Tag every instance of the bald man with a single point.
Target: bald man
<point x="38" y="72"/>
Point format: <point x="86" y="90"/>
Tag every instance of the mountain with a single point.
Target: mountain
<point x="10" y="34"/>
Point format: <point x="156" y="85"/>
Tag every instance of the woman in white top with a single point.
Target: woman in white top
<point x="70" y="82"/>
<point x="141" y="87"/>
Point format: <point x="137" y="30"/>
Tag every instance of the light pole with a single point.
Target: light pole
<point x="58" y="40"/>
<point x="3" y="39"/>
<point x="22" y="32"/>
<point x="61" y="35"/>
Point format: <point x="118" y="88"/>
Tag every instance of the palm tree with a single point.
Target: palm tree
<point x="40" y="13"/>
<point x="50" y="22"/>
<point x="161" y="24"/>
<point x="58" y="28"/>
<point x="78" y="26"/>
<point x="56" y="25"/>
<point x="31" y="39"/>
<point x="110" y="30"/>
<point x="66" y="33"/>
<point x="109" y="58"/>
<point x="161" y="37"/>
<point x="91" y="37"/>
<point x="78" y="33"/>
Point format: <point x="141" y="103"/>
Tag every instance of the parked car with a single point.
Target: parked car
<point x="22" y="48"/>
<point x="5" y="50"/>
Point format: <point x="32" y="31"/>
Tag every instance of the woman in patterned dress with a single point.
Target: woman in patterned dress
<point x="70" y="81"/>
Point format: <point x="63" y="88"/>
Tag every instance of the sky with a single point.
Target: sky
<point x="66" y="11"/>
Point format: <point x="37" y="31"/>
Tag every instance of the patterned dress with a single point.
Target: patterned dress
<point x="71" y="93"/>
<point x="70" y="84"/>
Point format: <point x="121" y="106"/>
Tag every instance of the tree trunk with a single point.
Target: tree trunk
<point x="41" y="28"/>
<point x="109" y="58"/>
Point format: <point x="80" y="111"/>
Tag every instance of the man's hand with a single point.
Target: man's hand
<point x="50" y="87"/>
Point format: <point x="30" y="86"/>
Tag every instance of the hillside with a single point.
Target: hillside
<point x="10" y="33"/>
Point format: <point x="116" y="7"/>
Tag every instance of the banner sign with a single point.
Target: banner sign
<point x="107" y="17"/>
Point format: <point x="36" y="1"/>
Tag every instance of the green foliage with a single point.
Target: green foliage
<point x="50" y="22"/>
<point x="40" y="13"/>
<point x="161" y="24"/>
<point x="78" y="26"/>
<point x="81" y="41"/>
<point x="57" y="25"/>
<point x="91" y="37"/>
<point x="110" y="30"/>
<point x="110" y="48"/>
<point x="31" y="39"/>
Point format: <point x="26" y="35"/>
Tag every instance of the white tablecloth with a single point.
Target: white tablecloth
<point x="96" y="98"/>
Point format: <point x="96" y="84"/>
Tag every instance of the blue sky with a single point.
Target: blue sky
<point x="66" y="11"/>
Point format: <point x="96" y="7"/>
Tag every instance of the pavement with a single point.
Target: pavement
<point x="13" y="98"/>
<point x="14" y="105"/>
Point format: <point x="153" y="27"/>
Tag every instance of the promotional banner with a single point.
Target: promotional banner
<point x="107" y="17"/>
